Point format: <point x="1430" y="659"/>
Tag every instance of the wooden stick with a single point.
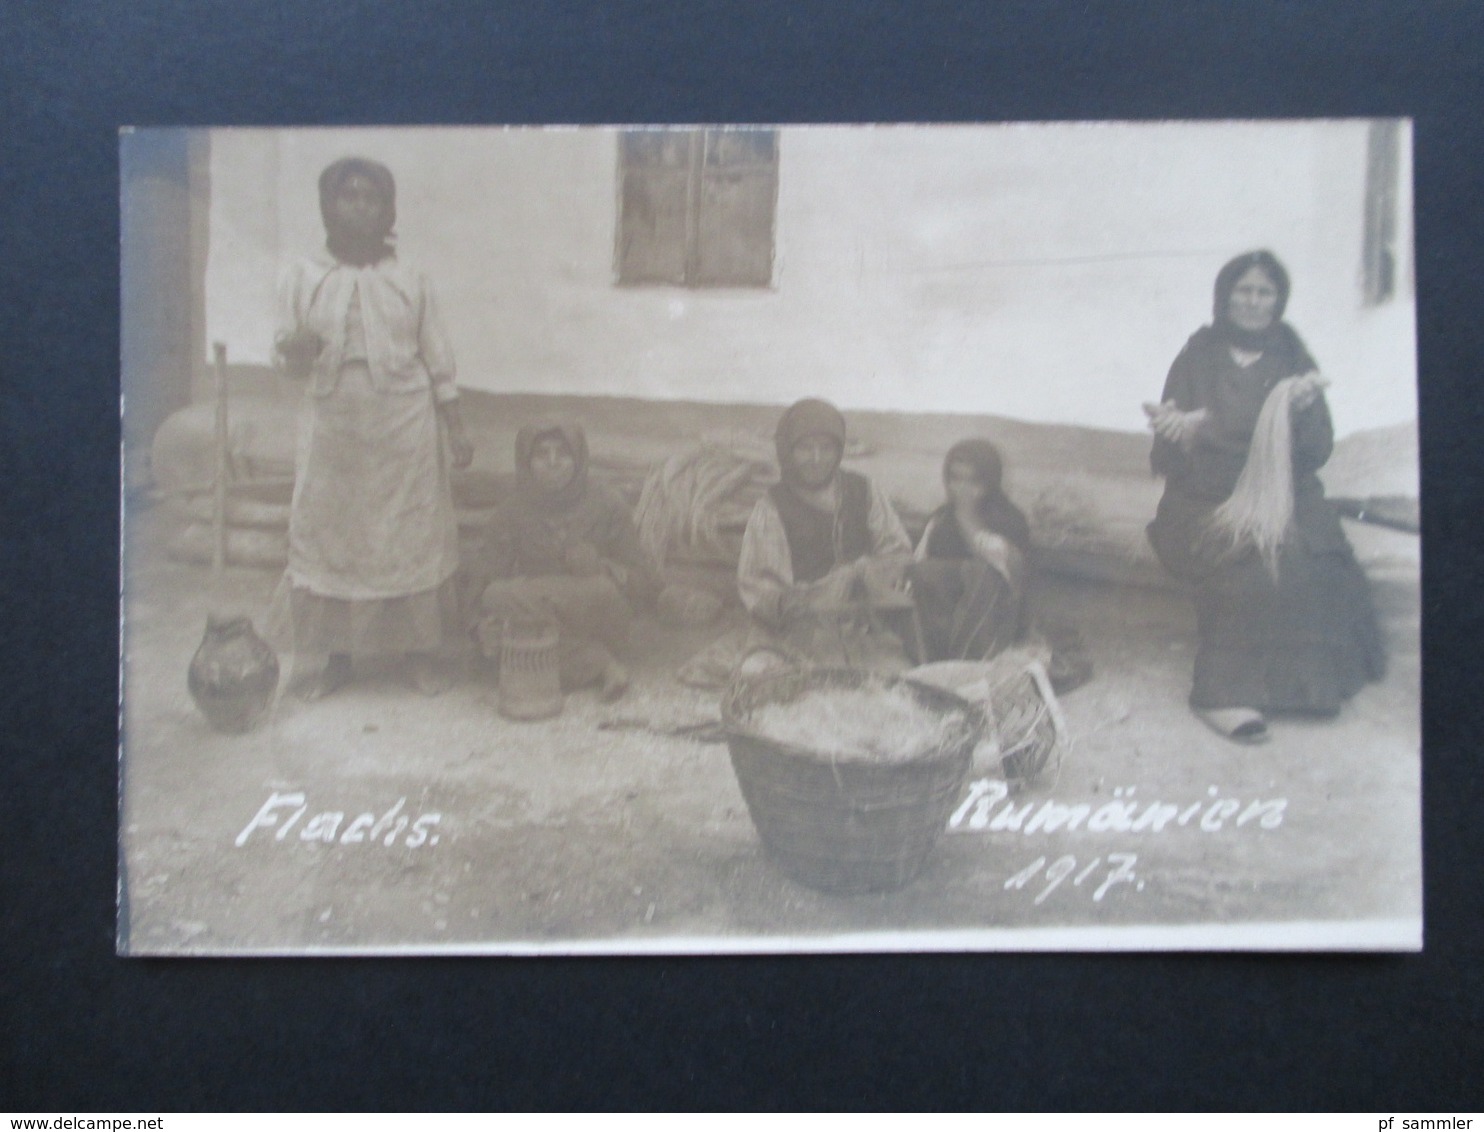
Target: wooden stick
<point x="219" y="508"/>
<point x="1042" y="680"/>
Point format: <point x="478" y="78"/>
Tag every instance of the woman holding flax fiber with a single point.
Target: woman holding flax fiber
<point x="820" y="549"/>
<point x="1283" y="610"/>
<point x="373" y="540"/>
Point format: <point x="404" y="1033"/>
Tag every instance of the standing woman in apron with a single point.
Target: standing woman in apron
<point x="373" y="539"/>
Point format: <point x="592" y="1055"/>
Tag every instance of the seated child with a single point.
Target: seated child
<point x="969" y="574"/>
<point x="564" y="551"/>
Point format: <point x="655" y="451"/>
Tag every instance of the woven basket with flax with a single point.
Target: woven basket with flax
<point x="838" y="822"/>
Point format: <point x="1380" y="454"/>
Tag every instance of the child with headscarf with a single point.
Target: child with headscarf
<point x="373" y="540"/>
<point x="968" y="578"/>
<point x="820" y="545"/>
<point x="563" y="550"/>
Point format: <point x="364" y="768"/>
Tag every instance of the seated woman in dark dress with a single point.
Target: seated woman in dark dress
<point x="969" y="575"/>
<point x="1283" y="610"/>
<point x="564" y="550"/>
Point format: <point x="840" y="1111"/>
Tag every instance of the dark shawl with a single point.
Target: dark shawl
<point x="525" y="448"/>
<point x="1206" y="376"/>
<point x="531" y="532"/>
<point x="1277" y="333"/>
<point x="995" y="509"/>
<point x="810" y="417"/>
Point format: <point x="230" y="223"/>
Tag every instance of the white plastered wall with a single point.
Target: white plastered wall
<point x="1045" y="272"/>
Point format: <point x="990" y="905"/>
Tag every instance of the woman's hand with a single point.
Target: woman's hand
<point x="832" y="593"/>
<point x="793" y="603"/>
<point x="990" y="546"/>
<point x="837" y="588"/>
<point x="460" y="448"/>
<point x="885" y="577"/>
<point x="1306" y="390"/>
<point x="299" y="349"/>
<point x="1003" y="555"/>
<point x="515" y="603"/>
<point x="1174" y="425"/>
<point x="966" y="515"/>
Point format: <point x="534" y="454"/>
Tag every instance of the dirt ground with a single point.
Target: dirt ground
<point x="559" y="836"/>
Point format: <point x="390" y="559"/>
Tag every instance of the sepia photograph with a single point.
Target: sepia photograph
<point x="738" y="539"/>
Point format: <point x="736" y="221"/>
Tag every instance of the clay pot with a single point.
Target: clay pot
<point x="233" y="675"/>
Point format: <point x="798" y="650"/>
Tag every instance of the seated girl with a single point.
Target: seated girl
<point x="969" y="575"/>
<point x="563" y="550"/>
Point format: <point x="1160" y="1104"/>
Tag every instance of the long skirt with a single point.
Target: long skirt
<point x="424" y="622"/>
<point x="969" y="610"/>
<point x="1303" y="643"/>
<point x="592" y="616"/>
<point x="373" y="537"/>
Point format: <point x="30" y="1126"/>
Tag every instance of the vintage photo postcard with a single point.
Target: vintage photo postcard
<point x="769" y="539"/>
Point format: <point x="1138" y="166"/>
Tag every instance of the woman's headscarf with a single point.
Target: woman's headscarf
<point x="1278" y="339"/>
<point x="809" y="417"/>
<point x="525" y="448"/>
<point x="1277" y="332"/>
<point x="996" y="510"/>
<point x="342" y="246"/>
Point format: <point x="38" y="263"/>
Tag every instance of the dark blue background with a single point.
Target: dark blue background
<point x="80" y="1029"/>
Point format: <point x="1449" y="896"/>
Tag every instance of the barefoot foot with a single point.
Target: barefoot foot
<point x="336" y="674"/>
<point x="426" y="675"/>
<point x="615" y="682"/>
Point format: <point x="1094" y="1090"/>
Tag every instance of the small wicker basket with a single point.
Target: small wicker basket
<point x="1025" y="720"/>
<point x="841" y="824"/>
<point x="530" y="683"/>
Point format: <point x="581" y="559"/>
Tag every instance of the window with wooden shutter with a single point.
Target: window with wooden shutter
<point x="697" y="206"/>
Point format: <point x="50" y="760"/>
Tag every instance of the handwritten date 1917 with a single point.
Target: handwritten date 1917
<point x="1118" y="870"/>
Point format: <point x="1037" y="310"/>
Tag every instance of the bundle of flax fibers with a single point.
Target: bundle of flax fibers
<point x="695" y="505"/>
<point x="1260" y="508"/>
<point x="877" y="722"/>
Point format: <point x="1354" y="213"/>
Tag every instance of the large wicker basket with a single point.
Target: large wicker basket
<point x="839" y="824"/>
